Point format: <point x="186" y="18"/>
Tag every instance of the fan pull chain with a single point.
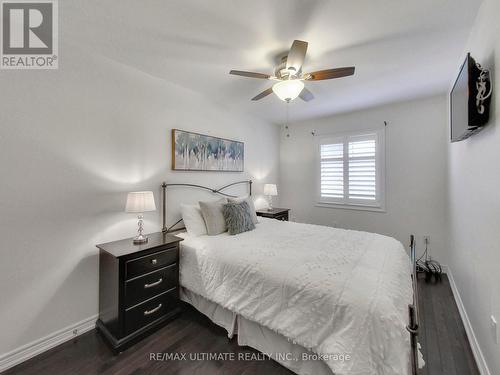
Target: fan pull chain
<point x="287" y="119"/>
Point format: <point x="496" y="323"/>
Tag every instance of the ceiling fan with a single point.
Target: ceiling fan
<point x="289" y="76"/>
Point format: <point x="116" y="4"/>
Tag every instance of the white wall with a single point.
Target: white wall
<point x="73" y="142"/>
<point x="474" y="200"/>
<point x="415" y="171"/>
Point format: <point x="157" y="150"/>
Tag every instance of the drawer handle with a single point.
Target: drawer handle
<point x="160" y="280"/>
<point x="154" y="261"/>
<point x="149" y="312"/>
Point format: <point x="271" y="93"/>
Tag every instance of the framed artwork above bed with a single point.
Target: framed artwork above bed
<point x="199" y="152"/>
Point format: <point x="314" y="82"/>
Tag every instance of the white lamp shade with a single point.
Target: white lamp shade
<point x="270" y="189"/>
<point x="289" y="89"/>
<point x="140" y="201"/>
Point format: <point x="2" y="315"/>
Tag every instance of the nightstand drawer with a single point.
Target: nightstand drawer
<point x="151" y="310"/>
<point x="143" y="265"/>
<point x="151" y="284"/>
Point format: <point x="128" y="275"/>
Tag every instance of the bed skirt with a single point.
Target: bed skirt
<point x="292" y="356"/>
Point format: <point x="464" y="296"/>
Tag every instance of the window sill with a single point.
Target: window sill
<point x="357" y="207"/>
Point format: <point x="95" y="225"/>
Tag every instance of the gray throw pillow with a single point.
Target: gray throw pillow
<point x="238" y="217"/>
<point x="212" y="214"/>
<point x="249" y="200"/>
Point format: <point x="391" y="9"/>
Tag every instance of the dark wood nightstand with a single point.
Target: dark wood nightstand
<point x="275" y="213"/>
<point x="138" y="288"/>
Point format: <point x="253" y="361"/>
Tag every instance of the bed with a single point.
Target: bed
<point x="319" y="300"/>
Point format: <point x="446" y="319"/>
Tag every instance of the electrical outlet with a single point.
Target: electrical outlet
<point x="494" y="332"/>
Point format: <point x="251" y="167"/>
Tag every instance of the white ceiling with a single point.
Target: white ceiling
<point x="402" y="49"/>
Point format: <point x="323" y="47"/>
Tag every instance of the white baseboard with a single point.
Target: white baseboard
<point x="474" y="344"/>
<point x="50" y="341"/>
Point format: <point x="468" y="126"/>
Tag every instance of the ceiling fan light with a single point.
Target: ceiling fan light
<point x="289" y="89"/>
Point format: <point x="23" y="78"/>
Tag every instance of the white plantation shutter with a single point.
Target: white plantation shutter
<point x="351" y="169"/>
<point x="363" y="167"/>
<point x="332" y="170"/>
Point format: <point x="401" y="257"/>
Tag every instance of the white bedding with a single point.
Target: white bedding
<point x="333" y="291"/>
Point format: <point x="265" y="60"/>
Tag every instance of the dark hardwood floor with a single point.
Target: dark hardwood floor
<point x="443" y="338"/>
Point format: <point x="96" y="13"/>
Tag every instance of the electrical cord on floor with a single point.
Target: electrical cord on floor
<point x="431" y="268"/>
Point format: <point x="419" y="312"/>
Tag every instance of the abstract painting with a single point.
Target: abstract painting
<point x="198" y="152"/>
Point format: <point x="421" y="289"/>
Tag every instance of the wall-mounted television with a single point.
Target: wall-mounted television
<point x="470" y="100"/>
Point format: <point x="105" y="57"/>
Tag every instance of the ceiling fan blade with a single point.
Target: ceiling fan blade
<point x="249" y="74"/>
<point x="306" y="95"/>
<point x="296" y="55"/>
<point x="263" y="94"/>
<point x="330" y="73"/>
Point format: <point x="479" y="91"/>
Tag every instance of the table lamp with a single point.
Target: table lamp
<point x="270" y="190"/>
<point x="139" y="202"/>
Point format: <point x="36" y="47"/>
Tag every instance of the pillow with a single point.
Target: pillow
<point x="193" y="220"/>
<point x="212" y="214"/>
<point x="250" y="203"/>
<point x="238" y="217"/>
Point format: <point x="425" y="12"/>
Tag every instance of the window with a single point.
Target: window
<point x="351" y="170"/>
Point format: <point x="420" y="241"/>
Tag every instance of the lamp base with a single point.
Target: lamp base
<point x="140" y="239"/>
<point x="269" y="203"/>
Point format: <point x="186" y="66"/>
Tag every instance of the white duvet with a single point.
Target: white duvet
<point x="333" y="291"/>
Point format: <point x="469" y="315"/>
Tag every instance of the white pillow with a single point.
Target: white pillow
<point x="214" y="219"/>
<point x="193" y="220"/>
<point x="249" y="200"/>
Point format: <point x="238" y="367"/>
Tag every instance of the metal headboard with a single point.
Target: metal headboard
<point x="219" y="191"/>
<point x="413" y="312"/>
